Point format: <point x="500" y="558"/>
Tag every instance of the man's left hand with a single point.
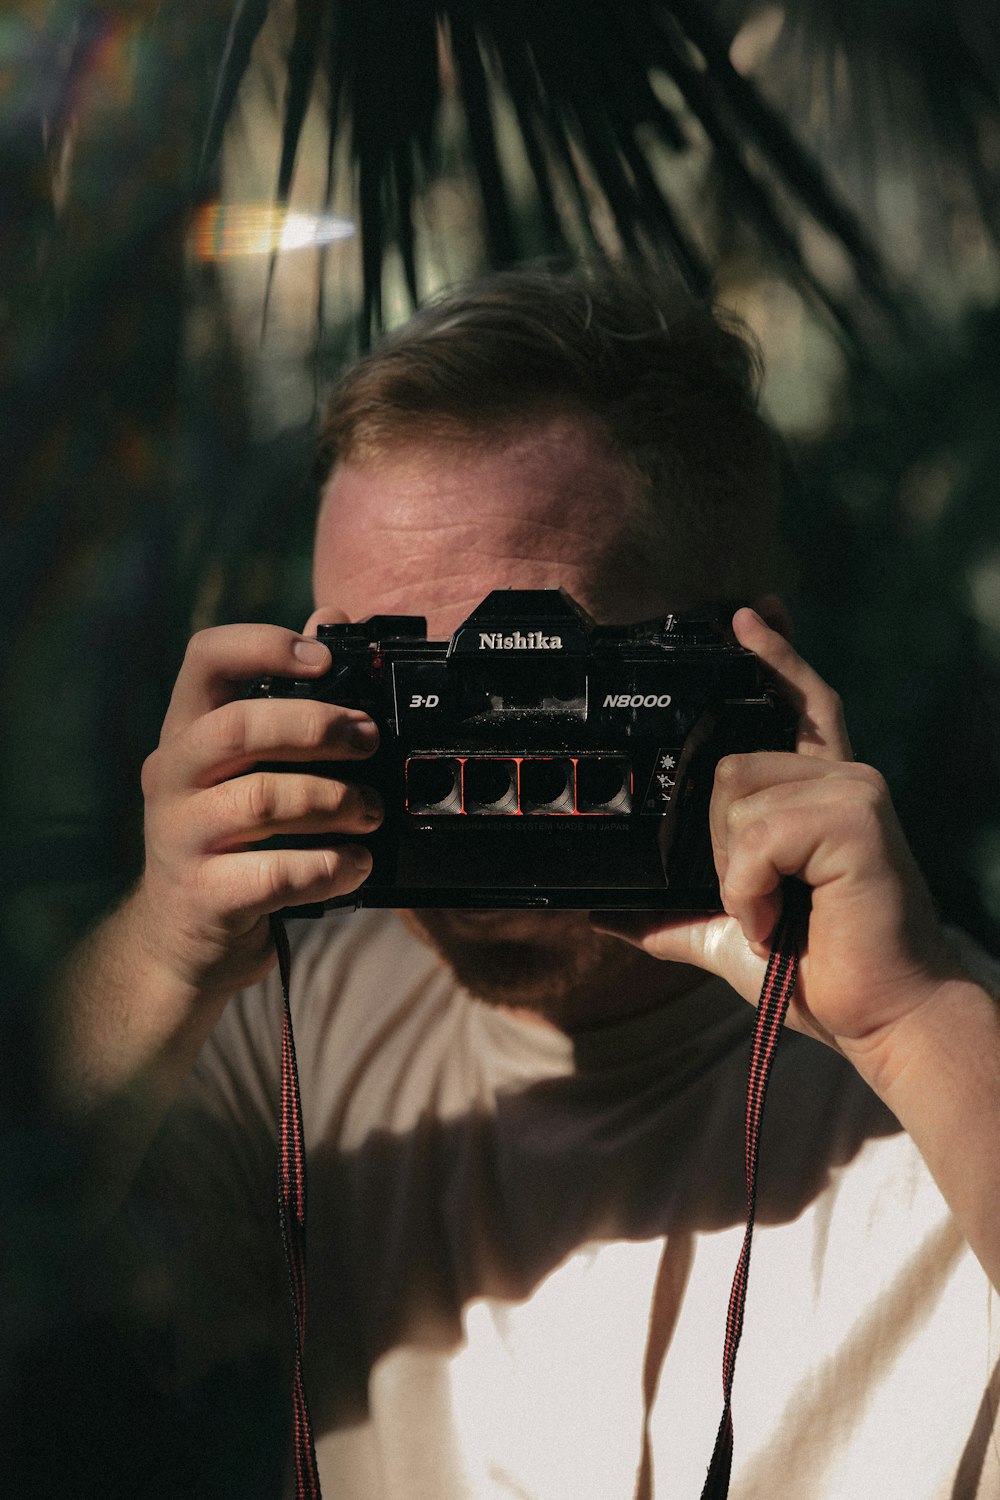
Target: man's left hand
<point x="874" y="954"/>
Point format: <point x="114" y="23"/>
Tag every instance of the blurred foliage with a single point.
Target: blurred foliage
<point x="600" y="93"/>
<point x="893" y="517"/>
<point x="830" y="169"/>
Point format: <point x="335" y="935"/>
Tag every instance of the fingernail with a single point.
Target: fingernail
<point x="356" y="855"/>
<point x="311" y="653"/>
<point x="363" y="733"/>
<point x="372" y="803"/>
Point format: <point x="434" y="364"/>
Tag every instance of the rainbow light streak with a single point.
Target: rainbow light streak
<point x="224" y="231"/>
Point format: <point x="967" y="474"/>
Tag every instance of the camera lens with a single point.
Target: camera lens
<point x="490" y="786"/>
<point x="547" y="785"/>
<point x="433" y="785"/>
<point x="603" y="784"/>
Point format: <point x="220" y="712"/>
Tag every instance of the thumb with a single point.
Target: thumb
<point x="680" y="937"/>
<point x="711" y="941"/>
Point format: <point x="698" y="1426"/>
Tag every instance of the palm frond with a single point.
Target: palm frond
<point x="247" y="19"/>
<point x="904" y="94"/>
<point x="580" y="80"/>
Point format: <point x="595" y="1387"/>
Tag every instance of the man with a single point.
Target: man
<point x="525" y="1136"/>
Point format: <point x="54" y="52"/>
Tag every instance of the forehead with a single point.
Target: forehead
<point x="432" y="529"/>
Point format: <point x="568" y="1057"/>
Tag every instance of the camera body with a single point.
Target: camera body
<point x="537" y="759"/>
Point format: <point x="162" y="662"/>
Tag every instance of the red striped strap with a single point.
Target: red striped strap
<point x="292" y="1218"/>
<point x="772" y="1007"/>
<point x="779" y="982"/>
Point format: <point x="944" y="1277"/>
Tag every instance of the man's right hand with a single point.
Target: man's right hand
<point x="138" y="996"/>
<point x="208" y="887"/>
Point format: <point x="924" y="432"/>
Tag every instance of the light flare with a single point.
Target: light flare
<point x="225" y="231"/>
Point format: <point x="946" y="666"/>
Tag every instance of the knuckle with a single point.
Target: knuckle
<point x="866" y="803"/>
<point x="213" y="897"/>
<point x="867" y="776"/>
<point x="258" y="795"/>
<point x="200" y="649"/>
<point x="283" y="877"/>
<point x="266" y="648"/>
<point x="831" y="704"/>
<point x="228" y="729"/>
<point x="743" y="818"/>
<point x="220" y="646"/>
<point x="149" y="777"/>
<point x="330" y="870"/>
<point x="311" y="800"/>
<point x="263" y="885"/>
<point x="274" y="880"/>
<point x="267" y="641"/>
<point x="755" y="833"/>
<point x="730" y="773"/>
<point x="734" y="892"/>
<point x="298" y="799"/>
<point x="336" y="795"/>
<point x="313" y="727"/>
<point x="342" y="869"/>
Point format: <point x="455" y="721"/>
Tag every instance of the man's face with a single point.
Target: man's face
<point x="430" y="531"/>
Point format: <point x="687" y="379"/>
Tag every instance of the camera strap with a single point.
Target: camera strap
<point x="292" y="1218"/>
<point x="772" y="1007"/>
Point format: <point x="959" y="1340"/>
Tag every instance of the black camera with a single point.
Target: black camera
<point x="537" y="759"/>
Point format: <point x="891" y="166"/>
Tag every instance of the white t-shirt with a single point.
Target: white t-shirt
<point x="520" y="1247"/>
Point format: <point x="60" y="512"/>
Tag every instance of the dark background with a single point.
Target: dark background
<point x="829" y="170"/>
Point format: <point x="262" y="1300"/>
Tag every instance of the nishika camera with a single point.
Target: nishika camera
<point x="537" y="759"/>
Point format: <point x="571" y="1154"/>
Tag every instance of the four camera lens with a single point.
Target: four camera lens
<point x="536" y="785"/>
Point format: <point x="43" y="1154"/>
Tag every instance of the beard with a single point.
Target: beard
<point x="552" y="963"/>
